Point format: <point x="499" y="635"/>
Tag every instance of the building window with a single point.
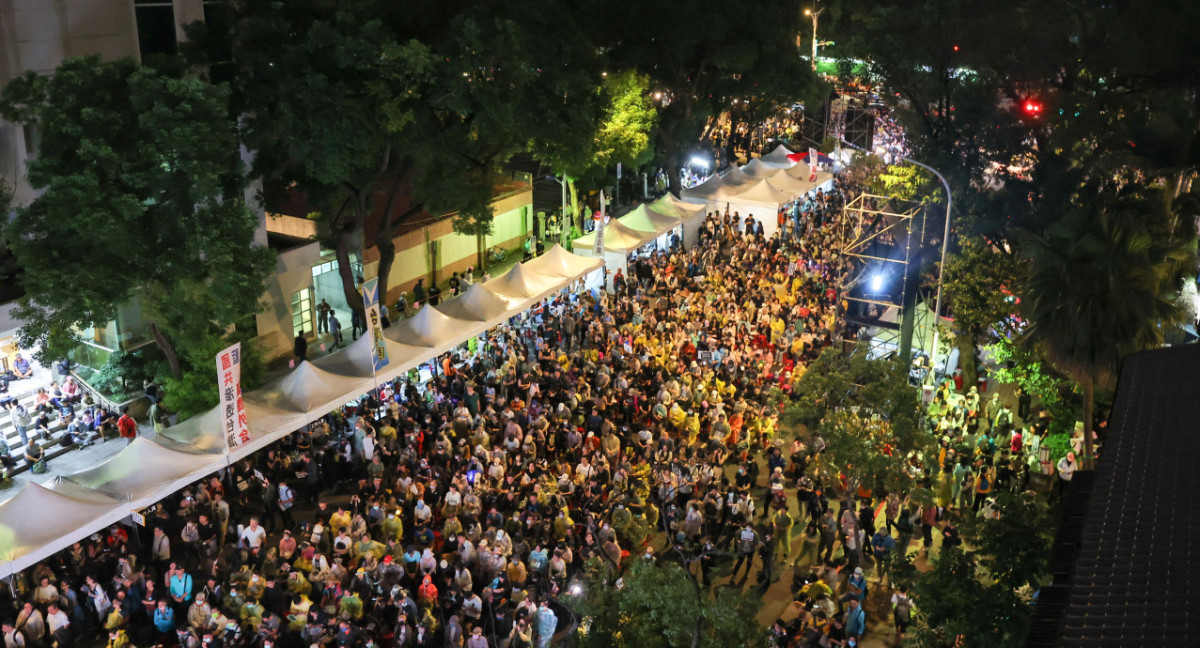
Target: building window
<point x="156" y="27"/>
<point x="302" y="312"/>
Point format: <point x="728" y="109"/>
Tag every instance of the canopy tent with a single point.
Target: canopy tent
<point x="429" y="328"/>
<point x="308" y="389"/>
<point x="801" y="173"/>
<point x="203" y="432"/>
<point x="763" y="201"/>
<point x="756" y="168"/>
<point x="557" y="262"/>
<point x="145" y="472"/>
<point x="691" y="214"/>
<point x="714" y="189"/>
<point x="777" y="158"/>
<point x="358" y="360"/>
<point x="38" y="521"/>
<point x="477" y="304"/>
<point x="791" y="184"/>
<point x="619" y="242"/>
<point x="736" y="180"/>
<point x="644" y="219"/>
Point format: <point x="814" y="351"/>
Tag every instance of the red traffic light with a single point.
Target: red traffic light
<point x="1032" y="107"/>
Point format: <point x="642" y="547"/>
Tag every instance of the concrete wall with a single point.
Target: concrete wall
<point x="456" y="252"/>
<point x="293" y="273"/>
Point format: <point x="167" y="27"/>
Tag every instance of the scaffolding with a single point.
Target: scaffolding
<point x="886" y="235"/>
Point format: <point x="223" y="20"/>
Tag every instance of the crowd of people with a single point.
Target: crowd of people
<point x="458" y="511"/>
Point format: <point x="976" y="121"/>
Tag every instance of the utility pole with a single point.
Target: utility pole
<point x="814" y="14"/>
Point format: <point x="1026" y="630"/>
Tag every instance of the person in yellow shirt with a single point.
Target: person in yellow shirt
<point x="339" y="520"/>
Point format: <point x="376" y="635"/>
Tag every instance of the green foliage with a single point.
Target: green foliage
<point x="1104" y="282"/>
<point x="903" y="181"/>
<point x="122" y="376"/>
<point x="1016" y="364"/>
<point x="660" y="607"/>
<point x="140" y="198"/>
<point x="981" y="595"/>
<point x="976" y="277"/>
<point x="868" y="414"/>
<point x="196" y="391"/>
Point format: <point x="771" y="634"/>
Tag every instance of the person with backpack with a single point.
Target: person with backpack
<point x="983" y="486"/>
<point x="901" y="611"/>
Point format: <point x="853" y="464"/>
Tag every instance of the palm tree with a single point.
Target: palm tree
<point x="1104" y="282"/>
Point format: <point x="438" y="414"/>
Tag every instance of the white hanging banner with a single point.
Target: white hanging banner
<point x="812" y="164"/>
<point x="598" y="246"/>
<point x="379" y="353"/>
<point x="229" y="387"/>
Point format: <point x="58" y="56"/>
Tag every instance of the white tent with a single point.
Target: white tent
<point x="38" y="521"/>
<point x="763" y="202"/>
<point x="618" y="237"/>
<point x="619" y="242"/>
<point x="557" y="262"/>
<point x="792" y="185"/>
<point x="477" y="304"/>
<point x="691" y="214"/>
<point x="523" y="285"/>
<point x="714" y="189"/>
<point x="145" y="472"/>
<point x="736" y="180"/>
<point x="429" y="328"/>
<point x="644" y="219"/>
<point x="357" y="361"/>
<point x="307" y="389"/>
<point x="756" y="168"/>
<point x="778" y="158"/>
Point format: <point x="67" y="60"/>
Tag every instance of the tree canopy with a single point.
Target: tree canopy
<point x="141" y="199"/>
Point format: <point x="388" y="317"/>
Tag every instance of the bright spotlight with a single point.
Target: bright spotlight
<point x="877" y="283"/>
<point x="576" y="589"/>
<point x="699" y="161"/>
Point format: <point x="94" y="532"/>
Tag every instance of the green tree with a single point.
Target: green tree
<point x="868" y="414"/>
<point x="980" y="594"/>
<point x="141" y="187"/>
<point x="1105" y="282"/>
<point x="662" y="607"/>
<point x="978" y="284"/>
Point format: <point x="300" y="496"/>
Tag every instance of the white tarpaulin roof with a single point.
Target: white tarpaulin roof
<point x="712" y="189"/>
<point x="357" y="361"/>
<point x="308" y="389"/>
<point x="146" y="472"/>
<point x="644" y="219"/>
<point x="778" y="158"/>
<point x="672" y="206"/>
<point x="616" y="237"/>
<point x="791" y="184"/>
<point x="756" y="168"/>
<point x="736" y="179"/>
<point x="428" y="328"/>
<point x="801" y="173"/>
<point x="520" y="283"/>
<point x="204" y="433"/>
<point x="477" y="304"/>
<point x="557" y="262"/>
<point x="763" y="195"/>
<point x="38" y="521"/>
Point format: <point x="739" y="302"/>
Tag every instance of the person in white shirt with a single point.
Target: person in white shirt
<point x="1067" y="467"/>
<point x="253" y="535"/>
<point x="58" y="623"/>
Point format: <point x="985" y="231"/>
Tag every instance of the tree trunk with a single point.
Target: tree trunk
<point x="349" y="285"/>
<point x="168" y="351"/>
<point x="1089" y="458"/>
<point x="966" y="361"/>
<point x="676" y="184"/>
<point x="480" y="253"/>
<point x="387" y="256"/>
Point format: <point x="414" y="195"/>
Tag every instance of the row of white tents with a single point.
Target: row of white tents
<point x="647" y="225"/>
<point x="759" y="188"/>
<point x="40" y="520"/>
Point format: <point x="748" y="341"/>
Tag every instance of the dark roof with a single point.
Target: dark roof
<point x="1137" y="578"/>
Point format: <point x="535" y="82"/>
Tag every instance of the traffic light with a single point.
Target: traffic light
<point x="1032" y="107"/>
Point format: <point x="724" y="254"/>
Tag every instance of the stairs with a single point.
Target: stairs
<point x="25" y="393"/>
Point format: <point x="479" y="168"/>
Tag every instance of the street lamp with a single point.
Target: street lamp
<point x="814" y="14"/>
